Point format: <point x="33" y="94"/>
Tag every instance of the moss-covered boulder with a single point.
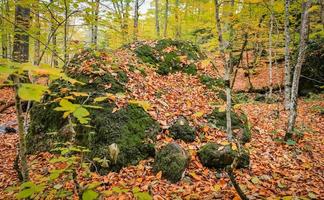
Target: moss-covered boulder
<point x="240" y="124"/>
<point x="170" y="56"/>
<point x="181" y="129"/>
<point x="218" y="156"/>
<point x="172" y="160"/>
<point x="129" y="128"/>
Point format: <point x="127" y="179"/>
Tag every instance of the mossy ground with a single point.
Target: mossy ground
<point x="166" y="54"/>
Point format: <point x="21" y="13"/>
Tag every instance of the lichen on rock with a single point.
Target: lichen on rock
<point x="172" y="160"/>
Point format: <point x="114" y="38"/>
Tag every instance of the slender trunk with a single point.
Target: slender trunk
<point x="287" y="57"/>
<point x="157" y="22"/>
<point x="94" y="29"/>
<point x="65" y="37"/>
<point x="37" y="35"/>
<point x="177" y="20"/>
<point x="322" y="12"/>
<point x="300" y="60"/>
<point x="54" y="61"/>
<point x="226" y="75"/>
<point x="21" y="54"/>
<point x="4" y="36"/>
<point x="166" y="18"/>
<point x="270" y="52"/>
<point x="136" y="7"/>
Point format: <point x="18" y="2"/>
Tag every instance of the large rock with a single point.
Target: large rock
<point x="130" y="128"/>
<point x="181" y="129"/>
<point x="172" y="160"/>
<point x="220" y="156"/>
<point x="240" y="124"/>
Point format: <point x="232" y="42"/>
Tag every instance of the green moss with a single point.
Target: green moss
<point x="211" y="82"/>
<point x="169" y="62"/>
<point x="172" y="160"/>
<point x="218" y="156"/>
<point x="182" y="130"/>
<point x="218" y="119"/>
<point x="131" y="128"/>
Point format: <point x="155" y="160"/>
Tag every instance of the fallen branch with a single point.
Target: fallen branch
<point x="6" y="106"/>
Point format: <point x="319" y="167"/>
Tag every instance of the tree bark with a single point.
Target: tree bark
<point x="157" y="22"/>
<point x="94" y="30"/>
<point x="300" y="60"/>
<point x="21" y="54"/>
<point x="4" y="35"/>
<point x="270" y="51"/>
<point x="287" y="57"/>
<point x="177" y="19"/>
<point x="37" y="35"/>
<point x="65" y="36"/>
<point x="54" y="61"/>
<point x="227" y="73"/>
<point x="166" y="18"/>
<point x="136" y="7"/>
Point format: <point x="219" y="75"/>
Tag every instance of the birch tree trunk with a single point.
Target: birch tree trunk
<point x="21" y="54"/>
<point x="270" y="51"/>
<point x="300" y="60"/>
<point x="226" y="74"/>
<point x="65" y="34"/>
<point x="94" y="29"/>
<point x="287" y="57"/>
<point x="157" y="22"/>
<point x="166" y="18"/>
<point x="54" y="61"/>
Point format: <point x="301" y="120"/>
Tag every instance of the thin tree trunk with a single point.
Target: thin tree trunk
<point x="166" y="18"/>
<point x="136" y="7"/>
<point x="270" y="52"/>
<point x="21" y="54"/>
<point x="226" y="75"/>
<point x="65" y="37"/>
<point x="4" y="36"/>
<point x="300" y="60"/>
<point x="177" y="20"/>
<point x="287" y="57"/>
<point x="157" y="22"/>
<point x="94" y="30"/>
<point x="54" y="61"/>
<point x="37" y="35"/>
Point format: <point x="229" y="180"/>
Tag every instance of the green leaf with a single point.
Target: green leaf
<point x="93" y="185"/>
<point x="290" y="142"/>
<point x="31" y="92"/>
<point x="312" y="195"/>
<point x="28" y="184"/>
<point x="89" y="195"/>
<point x="25" y="193"/>
<point x="255" y="180"/>
<point x="100" y="99"/>
<point x="143" y="196"/>
<point x="144" y="104"/>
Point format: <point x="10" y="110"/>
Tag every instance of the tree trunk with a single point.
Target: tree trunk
<point x="4" y="35"/>
<point x="37" y="35"/>
<point x="300" y="60"/>
<point x="166" y="18"/>
<point x="136" y="7"/>
<point x="287" y="57"/>
<point x="270" y="51"/>
<point x="65" y="36"/>
<point x="226" y="75"/>
<point x="157" y="22"/>
<point x="54" y="61"/>
<point x="94" y="29"/>
<point x="21" y="54"/>
<point x="177" y="20"/>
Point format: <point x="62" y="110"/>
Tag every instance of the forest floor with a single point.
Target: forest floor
<point x="277" y="169"/>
